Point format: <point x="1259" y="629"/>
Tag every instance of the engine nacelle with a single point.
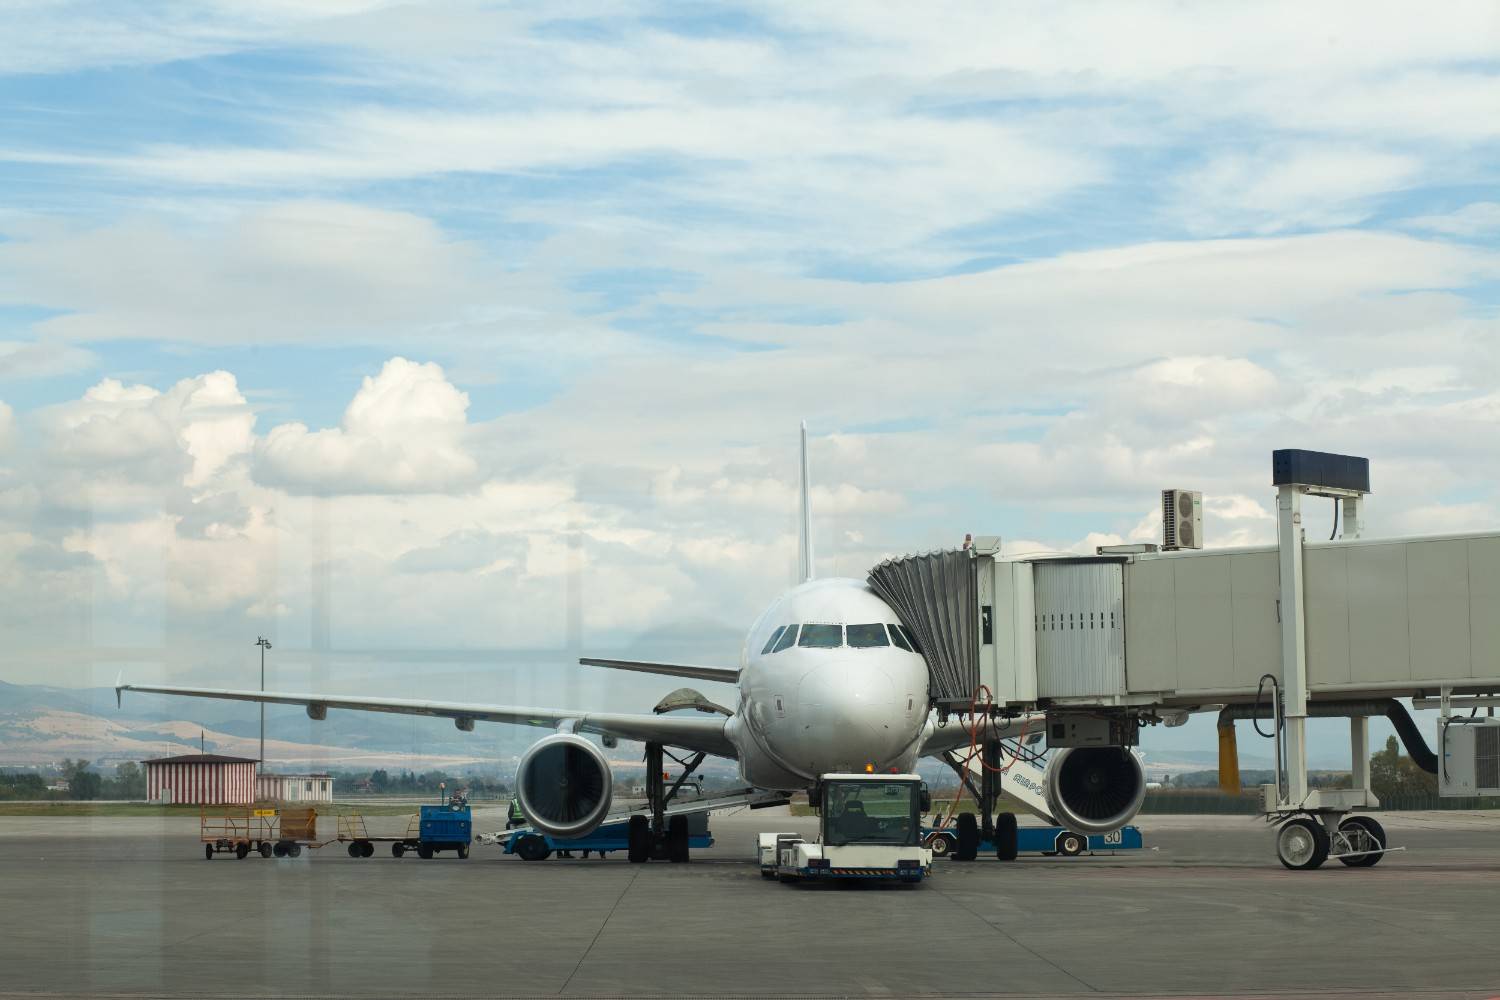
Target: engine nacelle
<point x="565" y="785"/>
<point x="1095" y="789"/>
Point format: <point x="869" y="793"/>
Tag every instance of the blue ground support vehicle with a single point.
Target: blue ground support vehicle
<point x="533" y="845"/>
<point x="438" y="828"/>
<point x="1049" y="840"/>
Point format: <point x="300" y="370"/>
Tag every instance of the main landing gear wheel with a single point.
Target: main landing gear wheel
<point x="1363" y="834"/>
<point x="1007" y="840"/>
<point x="677" y="839"/>
<point x="532" y="848"/>
<point x="1070" y="844"/>
<point x="941" y="844"/>
<point x="968" y="838"/>
<point x="1302" y="844"/>
<point x="639" y="840"/>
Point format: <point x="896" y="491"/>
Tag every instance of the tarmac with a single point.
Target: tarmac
<point x="129" y="906"/>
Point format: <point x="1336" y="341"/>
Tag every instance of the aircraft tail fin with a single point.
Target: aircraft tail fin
<point x="804" y="534"/>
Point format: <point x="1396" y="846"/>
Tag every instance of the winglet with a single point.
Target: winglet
<point x="804" y="537"/>
<point x="119" y="686"/>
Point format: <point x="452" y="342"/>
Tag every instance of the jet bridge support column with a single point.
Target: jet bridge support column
<point x="1313" y="824"/>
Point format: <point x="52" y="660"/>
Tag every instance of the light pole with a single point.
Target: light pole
<point x="264" y="645"/>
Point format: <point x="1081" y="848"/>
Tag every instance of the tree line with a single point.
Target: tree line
<point x="82" y="783"/>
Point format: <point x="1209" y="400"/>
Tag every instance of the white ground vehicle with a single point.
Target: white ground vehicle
<point x="871" y="828"/>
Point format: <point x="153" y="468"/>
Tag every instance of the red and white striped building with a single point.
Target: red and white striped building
<point x="201" y="779"/>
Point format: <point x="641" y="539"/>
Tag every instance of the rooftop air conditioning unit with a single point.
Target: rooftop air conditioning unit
<point x="1181" y="520"/>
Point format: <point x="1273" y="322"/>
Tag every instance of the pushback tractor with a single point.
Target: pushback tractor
<point x="870" y="829"/>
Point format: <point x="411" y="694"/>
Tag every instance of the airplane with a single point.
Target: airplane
<point x="829" y="681"/>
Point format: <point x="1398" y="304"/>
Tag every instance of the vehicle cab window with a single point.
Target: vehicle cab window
<point x="866" y="636"/>
<point x="771" y="642"/>
<point x="821" y="636"/>
<point x="787" y="638"/>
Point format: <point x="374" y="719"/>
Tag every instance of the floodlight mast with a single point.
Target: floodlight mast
<point x="264" y="645"/>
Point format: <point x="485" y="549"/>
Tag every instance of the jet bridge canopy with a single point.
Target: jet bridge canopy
<point x="936" y="594"/>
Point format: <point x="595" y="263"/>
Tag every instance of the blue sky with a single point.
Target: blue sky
<point x="476" y="279"/>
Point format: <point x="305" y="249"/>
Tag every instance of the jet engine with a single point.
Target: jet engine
<point x="1095" y="789"/>
<point x="565" y="785"/>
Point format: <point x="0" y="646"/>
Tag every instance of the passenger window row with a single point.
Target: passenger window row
<point x="823" y="636"/>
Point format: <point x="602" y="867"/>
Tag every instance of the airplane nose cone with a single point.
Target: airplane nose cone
<point x="861" y="712"/>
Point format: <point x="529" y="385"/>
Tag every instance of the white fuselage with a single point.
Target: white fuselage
<point x="807" y="710"/>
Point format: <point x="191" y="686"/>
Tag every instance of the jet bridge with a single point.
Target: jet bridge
<point x="1132" y="635"/>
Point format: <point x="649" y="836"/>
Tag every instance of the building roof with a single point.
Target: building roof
<point x="309" y="774"/>
<point x="203" y="758"/>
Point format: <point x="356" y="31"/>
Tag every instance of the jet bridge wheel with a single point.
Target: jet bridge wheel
<point x="1302" y="844"/>
<point x="968" y="838"/>
<point x="1363" y="833"/>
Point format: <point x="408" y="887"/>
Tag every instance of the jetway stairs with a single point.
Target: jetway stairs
<point x="1019" y="781"/>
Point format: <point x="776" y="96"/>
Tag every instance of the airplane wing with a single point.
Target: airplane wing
<point x="729" y="675"/>
<point x="702" y="733"/>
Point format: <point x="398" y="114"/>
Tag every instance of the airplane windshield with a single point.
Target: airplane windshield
<point x="822" y="636"/>
<point x="867" y="636"/>
<point x="870" y="812"/>
<point x="771" y="642"/>
<point x="787" y="638"/>
<point x="899" y="638"/>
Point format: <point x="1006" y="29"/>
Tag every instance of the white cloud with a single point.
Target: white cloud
<point x="1282" y="188"/>
<point x="7" y="424"/>
<point x="182" y="437"/>
<point x="42" y="359"/>
<point x="283" y="272"/>
<point x="1479" y="218"/>
<point x="403" y="432"/>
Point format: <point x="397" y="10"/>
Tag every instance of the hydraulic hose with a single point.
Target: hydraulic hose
<point x="1406" y="726"/>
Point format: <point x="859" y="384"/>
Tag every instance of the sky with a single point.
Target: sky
<point x="368" y="327"/>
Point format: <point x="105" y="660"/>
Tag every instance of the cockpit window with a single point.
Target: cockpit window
<point x="787" y="638"/>
<point x="772" y="641"/>
<point x="822" y="636"/>
<point x="867" y="636"/>
<point x="899" y="638"/>
<point x="916" y="647"/>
